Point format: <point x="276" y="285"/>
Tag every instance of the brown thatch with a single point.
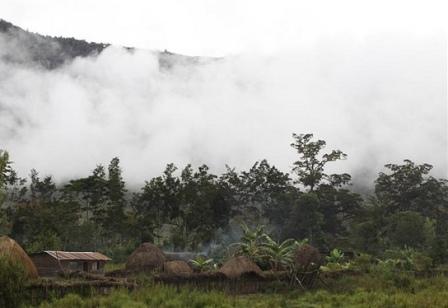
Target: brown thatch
<point x="147" y="257"/>
<point x="177" y="268"/>
<point x="307" y="258"/>
<point x="238" y="266"/>
<point x="10" y="249"/>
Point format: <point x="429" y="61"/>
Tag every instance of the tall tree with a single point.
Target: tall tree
<point x="410" y="187"/>
<point x="310" y="167"/>
<point x="336" y="203"/>
<point x="92" y="194"/>
<point x="4" y="173"/>
<point x="42" y="190"/>
<point x="115" y="212"/>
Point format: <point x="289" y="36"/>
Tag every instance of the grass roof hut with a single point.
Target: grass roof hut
<point x="307" y="258"/>
<point x="10" y="249"/>
<point x="239" y="266"/>
<point x="147" y="257"/>
<point x="177" y="267"/>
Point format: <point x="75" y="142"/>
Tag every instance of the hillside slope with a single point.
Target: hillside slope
<point x="27" y="48"/>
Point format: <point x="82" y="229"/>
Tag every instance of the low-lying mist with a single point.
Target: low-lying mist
<point x="380" y="100"/>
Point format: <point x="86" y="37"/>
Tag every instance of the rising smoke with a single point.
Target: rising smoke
<point x="380" y="100"/>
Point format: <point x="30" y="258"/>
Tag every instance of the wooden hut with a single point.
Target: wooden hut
<point x="51" y="263"/>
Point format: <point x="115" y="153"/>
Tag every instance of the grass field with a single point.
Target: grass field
<point x="367" y="290"/>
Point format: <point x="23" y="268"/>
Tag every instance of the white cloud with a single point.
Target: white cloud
<point x="380" y="99"/>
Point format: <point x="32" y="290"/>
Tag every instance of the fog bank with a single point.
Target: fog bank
<point x="380" y="100"/>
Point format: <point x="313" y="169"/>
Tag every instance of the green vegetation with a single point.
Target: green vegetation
<point x="194" y="209"/>
<point x="12" y="282"/>
<point x="349" y="291"/>
<point x="202" y="264"/>
<point x="388" y="238"/>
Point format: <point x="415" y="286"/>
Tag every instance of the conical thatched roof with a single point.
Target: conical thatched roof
<point x="307" y="258"/>
<point x="237" y="266"/>
<point x="177" y="268"/>
<point x="10" y="249"/>
<point x="146" y="257"/>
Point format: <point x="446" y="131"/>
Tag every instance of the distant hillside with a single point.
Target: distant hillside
<point x="51" y="52"/>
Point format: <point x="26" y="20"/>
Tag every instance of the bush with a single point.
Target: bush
<point x="12" y="282"/>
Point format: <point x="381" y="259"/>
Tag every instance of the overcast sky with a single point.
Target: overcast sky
<point x="222" y="27"/>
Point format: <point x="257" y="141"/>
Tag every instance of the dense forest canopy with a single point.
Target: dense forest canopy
<point x="194" y="209"/>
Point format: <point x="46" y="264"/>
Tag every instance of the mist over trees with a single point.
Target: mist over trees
<point x="193" y="209"/>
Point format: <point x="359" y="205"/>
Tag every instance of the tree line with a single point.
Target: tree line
<point x="189" y="208"/>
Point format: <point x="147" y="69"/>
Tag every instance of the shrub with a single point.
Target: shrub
<point x="202" y="264"/>
<point x="335" y="256"/>
<point x="12" y="282"/>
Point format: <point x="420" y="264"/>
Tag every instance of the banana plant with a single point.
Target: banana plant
<point x="336" y="256"/>
<point x="201" y="263"/>
<point x="251" y="242"/>
<point x="335" y="262"/>
<point x="279" y="255"/>
<point x="261" y="248"/>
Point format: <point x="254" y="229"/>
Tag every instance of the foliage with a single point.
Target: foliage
<point x="335" y="262"/>
<point x="202" y="264"/>
<point x="191" y="208"/>
<point x="251" y="243"/>
<point x="349" y="291"/>
<point x="261" y="248"/>
<point x="311" y="164"/>
<point x="279" y="254"/>
<point x="335" y="256"/>
<point x="407" y="259"/>
<point x="7" y="174"/>
<point x="12" y="282"/>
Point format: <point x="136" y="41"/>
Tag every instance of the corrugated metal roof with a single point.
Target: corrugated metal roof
<point x="84" y="256"/>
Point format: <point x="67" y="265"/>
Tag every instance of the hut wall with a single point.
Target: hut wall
<point x="101" y="266"/>
<point x="83" y="266"/>
<point x="46" y="265"/>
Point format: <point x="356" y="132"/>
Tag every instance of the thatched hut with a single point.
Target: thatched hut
<point x="177" y="268"/>
<point x="147" y="257"/>
<point x="238" y="266"/>
<point x="10" y="249"/>
<point x="307" y="258"/>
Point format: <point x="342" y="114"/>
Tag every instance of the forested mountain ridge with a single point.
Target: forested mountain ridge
<point x="51" y="52"/>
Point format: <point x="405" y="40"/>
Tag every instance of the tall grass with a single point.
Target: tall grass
<point x="368" y="290"/>
<point x="12" y="282"/>
<point x="110" y="266"/>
